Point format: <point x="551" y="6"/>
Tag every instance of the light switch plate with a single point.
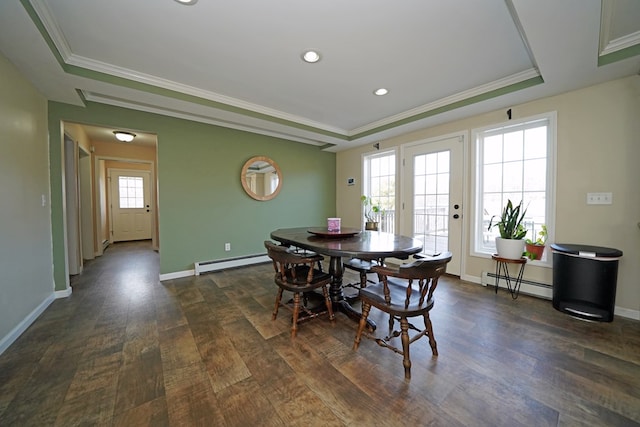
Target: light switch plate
<point x="599" y="198"/>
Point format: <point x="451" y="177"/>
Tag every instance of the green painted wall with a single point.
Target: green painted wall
<point x="26" y="283"/>
<point x="201" y="201"/>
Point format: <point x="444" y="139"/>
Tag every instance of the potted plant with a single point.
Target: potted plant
<point x="370" y="211"/>
<point x="535" y="248"/>
<point x="511" y="243"/>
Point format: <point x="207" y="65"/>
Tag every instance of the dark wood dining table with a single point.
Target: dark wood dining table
<point x="351" y="243"/>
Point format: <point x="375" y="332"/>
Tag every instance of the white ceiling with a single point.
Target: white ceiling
<point x="237" y="63"/>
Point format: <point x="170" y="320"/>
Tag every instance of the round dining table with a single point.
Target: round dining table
<point x="347" y="243"/>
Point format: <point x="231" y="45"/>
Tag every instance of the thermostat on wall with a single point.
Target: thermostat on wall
<point x="351" y="181"/>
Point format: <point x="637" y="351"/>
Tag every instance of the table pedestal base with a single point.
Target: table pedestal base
<point x="340" y="304"/>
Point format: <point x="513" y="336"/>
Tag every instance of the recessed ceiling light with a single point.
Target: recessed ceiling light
<point x="187" y="2"/>
<point x="124" y="136"/>
<point x="310" y="56"/>
<point x="381" y="91"/>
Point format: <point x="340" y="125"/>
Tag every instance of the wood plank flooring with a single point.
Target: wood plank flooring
<point x="128" y="350"/>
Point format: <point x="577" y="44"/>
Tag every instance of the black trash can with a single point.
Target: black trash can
<point x="585" y="280"/>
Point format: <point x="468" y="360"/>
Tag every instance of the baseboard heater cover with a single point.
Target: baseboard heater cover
<point x="528" y="287"/>
<point x="221" y="264"/>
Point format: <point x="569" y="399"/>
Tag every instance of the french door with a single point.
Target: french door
<point x="432" y="193"/>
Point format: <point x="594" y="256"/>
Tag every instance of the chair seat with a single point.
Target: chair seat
<point x="299" y="283"/>
<point x="361" y="265"/>
<point x="374" y="295"/>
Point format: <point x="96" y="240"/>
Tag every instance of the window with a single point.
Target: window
<point x="515" y="161"/>
<point x="379" y="183"/>
<point x="131" y="192"/>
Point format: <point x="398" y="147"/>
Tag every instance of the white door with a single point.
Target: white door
<point x="433" y="176"/>
<point x="130" y="205"/>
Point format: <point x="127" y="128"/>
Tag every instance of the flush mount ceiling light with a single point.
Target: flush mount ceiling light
<point x="187" y="2"/>
<point x="124" y="136"/>
<point x="380" y="92"/>
<point x="310" y="56"/>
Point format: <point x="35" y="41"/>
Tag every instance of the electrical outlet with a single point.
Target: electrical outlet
<point x="227" y="247"/>
<point x="599" y="198"/>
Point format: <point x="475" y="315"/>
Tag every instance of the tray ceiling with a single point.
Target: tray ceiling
<point x="238" y="63"/>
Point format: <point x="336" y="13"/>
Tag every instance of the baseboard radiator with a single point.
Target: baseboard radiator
<point x="221" y="264"/>
<point x="529" y="287"/>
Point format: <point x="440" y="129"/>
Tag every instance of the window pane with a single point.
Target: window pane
<point x="492" y="179"/>
<point x="535" y="175"/>
<point x="493" y="149"/>
<point x="535" y="145"/>
<point x="513" y="146"/>
<point x="512" y="179"/>
<point x="443" y="183"/>
<point x="131" y="192"/>
<point x="443" y="162"/>
<point x="432" y="184"/>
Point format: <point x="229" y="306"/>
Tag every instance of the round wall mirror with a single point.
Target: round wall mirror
<point x="261" y="178"/>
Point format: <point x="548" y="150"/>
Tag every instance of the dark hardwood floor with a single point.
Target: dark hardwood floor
<point x="127" y="350"/>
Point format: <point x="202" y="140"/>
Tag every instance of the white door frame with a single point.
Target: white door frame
<point x="463" y="138"/>
<point x="153" y="204"/>
<point x="73" y="232"/>
<point x="86" y="205"/>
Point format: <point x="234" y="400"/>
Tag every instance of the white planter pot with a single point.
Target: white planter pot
<point x="509" y="248"/>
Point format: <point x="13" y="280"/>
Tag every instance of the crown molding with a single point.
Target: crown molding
<point x="458" y="97"/>
<point x="621" y="43"/>
<point x="201" y="118"/>
<point x="52" y="28"/>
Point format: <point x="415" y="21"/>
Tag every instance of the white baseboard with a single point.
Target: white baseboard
<point x="541" y="292"/>
<point x="177" y="275"/>
<point x="528" y="287"/>
<point x="626" y="312"/>
<point x="208" y="266"/>
<point x="63" y="294"/>
<point x="9" y="339"/>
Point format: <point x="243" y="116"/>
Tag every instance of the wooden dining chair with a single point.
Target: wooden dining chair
<point x="404" y="292"/>
<point x="363" y="267"/>
<point x="299" y="274"/>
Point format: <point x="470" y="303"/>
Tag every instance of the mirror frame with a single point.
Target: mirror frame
<point x="243" y="175"/>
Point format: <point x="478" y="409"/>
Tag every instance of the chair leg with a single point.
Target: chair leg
<point x="406" y="362"/>
<point x="278" y="300"/>
<point x="363" y="322"/>
<point x="296" y="311"/>
<point x="391" y="323"/>
<point x="363" y="279"/>
<point x="432" y="340"/>
<point x="328" y="303"/>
